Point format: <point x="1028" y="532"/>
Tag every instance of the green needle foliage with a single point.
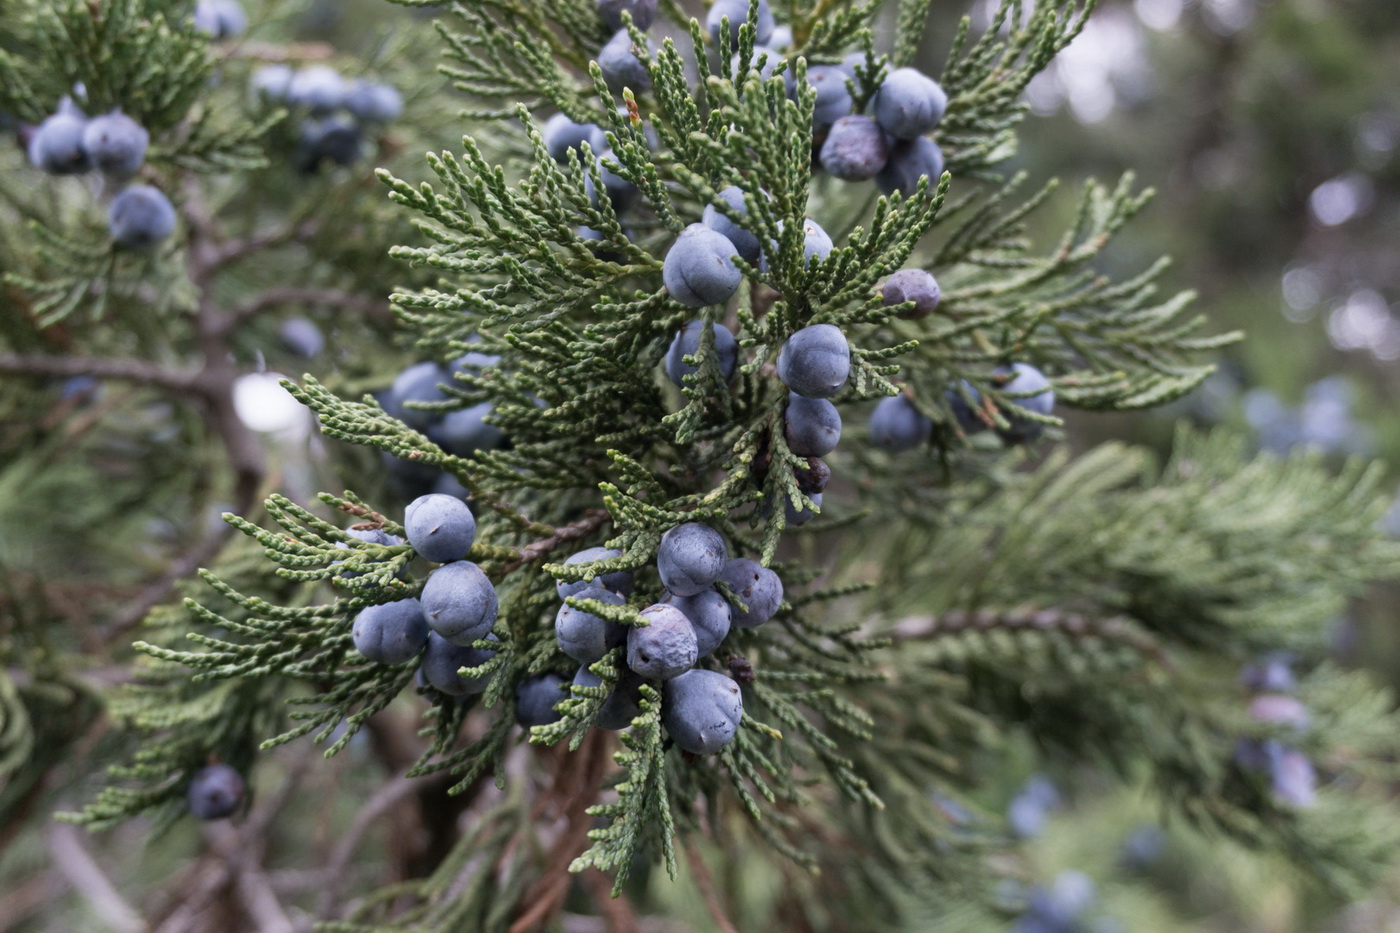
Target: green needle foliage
<point x="1083" y="605"/>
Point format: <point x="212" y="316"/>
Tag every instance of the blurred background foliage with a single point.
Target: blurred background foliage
<point x="1271" y="131"/>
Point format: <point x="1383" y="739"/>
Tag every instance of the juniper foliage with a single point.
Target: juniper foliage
<point x="978" y="597"/>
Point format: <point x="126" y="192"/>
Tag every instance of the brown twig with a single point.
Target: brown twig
<point x="28" y="897"/>
<point x="255" y="893"/>
<point x="578" y="782"/>
<point x="616" y="911"/>
<point x="1116" y="629"/>
<point x="538" y="550"/>
<point x="176" y="380"/>
<point x="231" y="251"/>
<point x="706" y="884"/>
<point x="359" y="511"/>
<point x="388" y="797"/>
<point x="281" y="52"/>
<point x="72" y="860"/>
<point x="334" y="297"/>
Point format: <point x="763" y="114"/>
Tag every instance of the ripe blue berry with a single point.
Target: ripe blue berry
<point x="1279" y="709"/>
<point x="1270" y="674"/>
<point x="620" y="191"/>
<point x="800" y="516"/>
<point x="1026" y="817"/>
<point x="562" y="135"/>
<point x="535" y="698"/>
<point x="745" y="244"/>
<point x="57" y="145"/>
<point x="220" y="19"/>
<point x="691" y="558"/>
<point x="833" y="97"/>
<point x="699" y="269"/>
<point x="474" y="361"/>
<point x="620" y="65"/>
<point x="816" y="244"/>
<point x="737" y="12"/>
<point x="140" y="217"/>
<point x="337" y="140"/>
<point x="440" y="528"/>
<point x="812" y="426"/>
<point x="687" y="343"/>
<point x="442" y="660"/>
<point x="815" y="361"/>
<point x="855" y="149"/>
<point x="619" y="581"/>
<point x="301" y="336"/>
<point x="896" y="425"/>
<point x="643" y="12"/>
<point x="909" y="103"/>
<point x="391" y="633"/>
<point x="369" y="536"/>
<point x="319" y="88"/>
<point x="116" y="144"/>
<point x="584" y="636"/>
<point x="598" y="237"/>
<point x="1294" y="780"/>
<point x="374" y="536"/>
<point x="709" y="615"/>
<point x="421" y="382"/>
<point x="757" y="587"/>
<point x="1060" y="908"/>
<point x="910" y="161"/>
<point x="215" y="792"/>
<point x="460" y="602"/>
<point x="622" y="706"/>
<point x="465" y="431"/>
<point x="1030" y="390"/>
<point x="701" y="711"/>
<point x="373" y="102"/>
<point x="916" y="285"/>
<point x="271" y="82"/>
<point x="968" y="420"/>
<point x="663" y="648"/>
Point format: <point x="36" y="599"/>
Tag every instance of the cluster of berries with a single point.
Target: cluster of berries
<point x="588" y="140"/>
<point x="456" y="609"/>
<point x="462" y="432"/>
<point x="336" y="111"/>
<point x="701" y="709"/>
<point x="68" y="143"/>
<point x="618" y="62"/>
<point x="814" y="364"/>
<point x="889" y="144"/>
<point x="699" y="269"/>
<point x="220" y="19"/>
<point x="1290" y="773"/>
